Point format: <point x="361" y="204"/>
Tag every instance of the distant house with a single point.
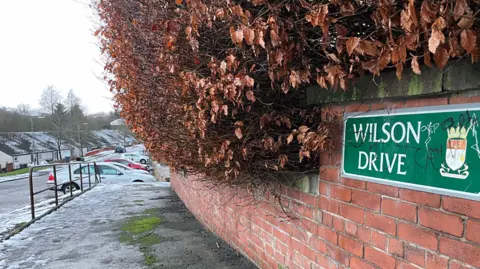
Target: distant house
<point x="4" y="159"/>
<point x="23" y="149"/>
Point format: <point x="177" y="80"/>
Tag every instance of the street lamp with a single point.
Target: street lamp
<point x="79" y="140"/>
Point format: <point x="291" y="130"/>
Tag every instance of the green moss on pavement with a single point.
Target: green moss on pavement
<point x="140" y="230"/>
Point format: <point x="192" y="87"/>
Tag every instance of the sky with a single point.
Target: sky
<point x="50" y="42"/>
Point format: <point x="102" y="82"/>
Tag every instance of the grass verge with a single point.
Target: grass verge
<point x="20" y="171"/>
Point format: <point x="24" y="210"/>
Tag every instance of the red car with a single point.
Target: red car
<point x="129" y="163"/>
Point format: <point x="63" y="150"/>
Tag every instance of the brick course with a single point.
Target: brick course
<point x="350" y="224"/>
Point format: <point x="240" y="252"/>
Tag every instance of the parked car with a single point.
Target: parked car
<point x="129" y="163"/>
<point x="136" y="157"/>
<point x="108" y="173"/>
<point x="126" y="168"/>
<point x="120" y="149"/>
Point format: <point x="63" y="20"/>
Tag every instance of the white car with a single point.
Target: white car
<point x="108" y="173"/>
<point x="136" y="157"/>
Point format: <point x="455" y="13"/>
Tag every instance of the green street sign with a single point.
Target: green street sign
<point x="433" y="149"/>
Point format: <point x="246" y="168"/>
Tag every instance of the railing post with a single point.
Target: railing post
<point x="81" y="180"/>
<point x="32" y="201"/>
<point x="70" y="177"/>
<point x="97" y="179"/>
<point x="55" y="183"/>
<point x="89" y="182"/>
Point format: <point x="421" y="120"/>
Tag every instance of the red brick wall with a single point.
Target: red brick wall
<point x="350" y="224"/>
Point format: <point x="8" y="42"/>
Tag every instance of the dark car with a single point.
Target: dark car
<point x="119" y="149"/>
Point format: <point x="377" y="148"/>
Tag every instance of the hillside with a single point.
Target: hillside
<point x="18" y="143"/>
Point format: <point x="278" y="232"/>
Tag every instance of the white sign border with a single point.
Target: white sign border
<point x="408" y="111"/>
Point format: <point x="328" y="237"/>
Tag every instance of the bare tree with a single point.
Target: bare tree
<point x="76" y="112"/>
<point x="51" y="107"/>
<point x="72" y="100"/>
<point x="59" y="122"/>
<point x="24" y="109"/>
<point x="49" y="99"/>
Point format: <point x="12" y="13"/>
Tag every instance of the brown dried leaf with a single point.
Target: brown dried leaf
<point x="435" y="39"/>
<point x="294" y="79"/>
<point x="287" y="122"/>
<point x="399" y="70"/>
<point x="333" y="57"/>
<point x="278" y="57"/>
<point x="188" y="31"/>
<point x="371" y="66"/>
<point x="454" y="46"/>
<point x="412" y="12"/>
<point x="220" y="13"/>
<point x="282" y="160"/>
<point x="476" y="56"/>
<point x="367" y="47"/>
<point x="441" y="57"/>
<point x="225" y="110"/>
<point x="238" y="10"/>
<point x="321" y="81"/>
<point x="341" y="30"/>
<point x="223" y="67"/>
<point x="460" y="8"/>
<point x="343" y="83"/>
<point x="300" y="138"/>
<point x="466" y="21"/>
<point x="340" y="45"/>
<point x="290" y="138"/>
<point x="238" y="133"/>
<point x="232" y="34"/>
<point x="352" y="44"/>
<point x="271" y="75"/>
<point x="249" y="82"/>
<point x="258" y="2"/>
<point x="439" y="23"/>
<point x="415" y="65"/>
<point x="427" y="58"/>
<point x="428" y="11"/>
<point x="238" y="36"/>
<point x="274" y="38"/>
<point x="259" y="39"/>
<point x="412" y="41"/>
<point x="244" y="153"/>
<point x="249" y="34"/>
<point x="402" y="52"/>
<point x="437" y="36"/>
<point x="468" y="40"/>
<point x="384" y="59"/>
<point x="406" y="21"/>
<point x="251" y="96"/>
<point x="395" y="56"/>
<point x="268" y="143"/>
<point x="303" y="129"/>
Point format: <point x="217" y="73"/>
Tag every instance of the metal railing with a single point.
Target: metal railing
<point x="70" y="183"/>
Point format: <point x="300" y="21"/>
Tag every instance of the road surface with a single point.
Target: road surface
<point x="16" y="194"/>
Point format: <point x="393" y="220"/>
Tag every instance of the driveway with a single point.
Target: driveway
<point x="120" y="226"/>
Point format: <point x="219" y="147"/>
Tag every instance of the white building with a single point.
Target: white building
<point x="26" y="148"/>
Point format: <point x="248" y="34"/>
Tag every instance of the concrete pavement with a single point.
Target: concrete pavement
<point x="120" y="226"/>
